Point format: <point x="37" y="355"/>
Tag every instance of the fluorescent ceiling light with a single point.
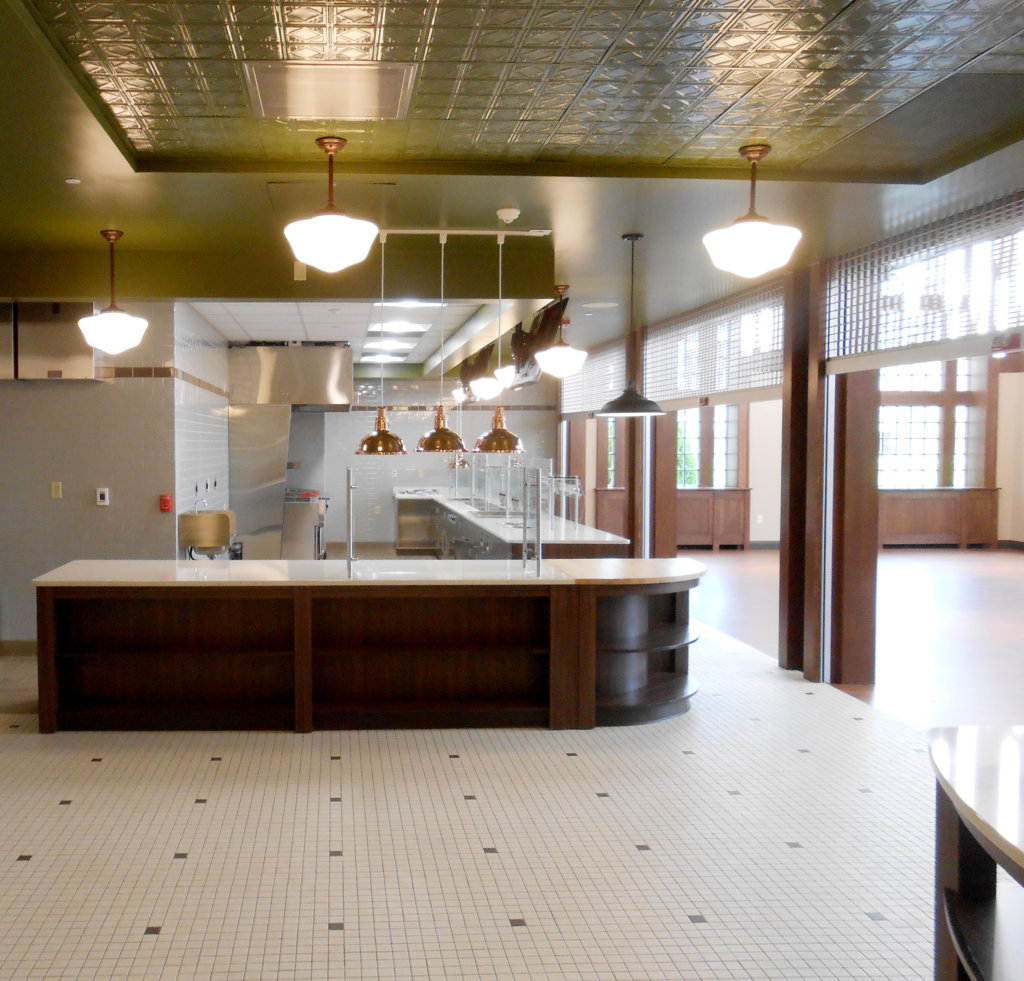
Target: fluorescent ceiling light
<point x="398" y="327"/>
<point x="381" y="357"/>
<point x="388" y="344"/>
<point x="408" y="304"/>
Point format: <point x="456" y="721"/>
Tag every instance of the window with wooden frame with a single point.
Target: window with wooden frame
<point x="711" y="446"/>
<point x="932" y="425"/>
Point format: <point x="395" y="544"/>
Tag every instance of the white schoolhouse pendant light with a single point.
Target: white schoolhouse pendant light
<point x="752" y="245"/>
<point x="331" y="241"/>
<point x="112" y="330"/>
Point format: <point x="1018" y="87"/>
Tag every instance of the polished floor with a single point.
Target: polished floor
<point x="950" y="627"/>
<point x="779" y="830"/>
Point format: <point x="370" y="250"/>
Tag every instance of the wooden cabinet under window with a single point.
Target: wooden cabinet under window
<point x="714" y="517"/>
<point x="938" y="516"/>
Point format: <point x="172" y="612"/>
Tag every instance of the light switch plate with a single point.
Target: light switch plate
<point x="56" y="490"/>
<point x="103" y="497"/>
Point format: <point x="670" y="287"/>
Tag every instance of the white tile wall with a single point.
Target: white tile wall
<point x="200" y="416"/>
<point x="113" y="434"/>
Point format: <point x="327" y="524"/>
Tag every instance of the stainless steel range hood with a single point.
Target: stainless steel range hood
<point x="291" y="374"/>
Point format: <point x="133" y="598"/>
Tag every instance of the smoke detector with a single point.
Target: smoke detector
<point x="508" y="215"/>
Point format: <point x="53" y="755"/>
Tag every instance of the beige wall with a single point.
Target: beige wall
<point x="765" y="473"/>
<point x="1010" y="457"/>
<point x="116" y="434"/>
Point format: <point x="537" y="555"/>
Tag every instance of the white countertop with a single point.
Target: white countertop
<point x="981" y="768"/>
<point x="309" y="572"/>
<point x="553" y="531"/>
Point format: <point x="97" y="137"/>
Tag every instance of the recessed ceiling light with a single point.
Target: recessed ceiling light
<point x="380" y="358"/>
<point x="408" y="304"/>
<point x="72" y="180"/>
<point x="389" y="344"/>
<point x="599" y="305"/>
<point x="398" y="327"/>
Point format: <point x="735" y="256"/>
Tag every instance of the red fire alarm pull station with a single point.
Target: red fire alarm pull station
<point x="165" y="502"/>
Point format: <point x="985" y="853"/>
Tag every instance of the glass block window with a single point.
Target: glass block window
<point x="968" y="446"/>
<point x="727" y="347"/>
<point x="688" y="447"/>
<point x="726" y="459"/>
<point x="611" y="452"/>
<point x="929" y="376"/>
<point x="958" y="277"/>
<point x="602" y="377"/>
<point x="971" y="374"/>
<point x="909" y="446"/>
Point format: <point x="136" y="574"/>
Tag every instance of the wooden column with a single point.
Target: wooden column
<point x="634" y="447"/>
<point x="663" y="466"/>
<point x="803" y="418"/>
<point x="855" y="529"/>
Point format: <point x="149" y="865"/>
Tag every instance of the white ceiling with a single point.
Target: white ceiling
<point x="348" y="322"/>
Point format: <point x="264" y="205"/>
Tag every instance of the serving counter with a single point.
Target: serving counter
<point x="979" y="827"/>
<point x="430" y="520"/>
<point x="411" y="642"/>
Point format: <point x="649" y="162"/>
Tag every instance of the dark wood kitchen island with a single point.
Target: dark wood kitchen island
<point x="303" y="645"/>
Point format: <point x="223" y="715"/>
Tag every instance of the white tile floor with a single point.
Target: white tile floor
<point x="778" y="830"/>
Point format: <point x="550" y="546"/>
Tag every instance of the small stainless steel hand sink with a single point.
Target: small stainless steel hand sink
<point x="206" y="532"/>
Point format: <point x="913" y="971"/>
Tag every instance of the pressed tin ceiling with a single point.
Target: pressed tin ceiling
<point x="637" y="88"/>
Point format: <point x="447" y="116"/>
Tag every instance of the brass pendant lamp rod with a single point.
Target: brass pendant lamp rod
<point x="330" y="145"/>
<point x="754" y="152"/>
<point x="112" y="235"/>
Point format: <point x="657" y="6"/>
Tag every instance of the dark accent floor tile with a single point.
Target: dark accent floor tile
<point x="152" y="931"/>
<point x="643" y="848"/>
<point x="865" y="790"/>
<point x="453" y="756"/>
<point x="803" y="750"/>
<point x="24" y="858"/>
<point x="689" y="752"/>
<point x="572" y="754"/>
<point x="794" y="844"/>
<point x="96" y="759"/>
<point x="335" y="800"/>
<point x="200" y="800"/>
<point x="469" y="797"/>
<point x="755" y="718"/>
<point x="517" y="921"/>
<point x="64" y="803"/>
<point x="876" y="916"/>
<point x="335" y="853"/>
<point x="490" y="850"/>
<point x="735" y="793"/>
<point x="697" y="918"/>
<point x="335" y="757"/>
<point x="335" y="926"/>
<point x="603" y="794"/>
<point x="181" y="854"/>
<point x="215" y="759"/>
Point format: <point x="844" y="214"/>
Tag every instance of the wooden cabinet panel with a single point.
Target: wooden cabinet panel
<point x="939" y="516"/>
<point x="712" y="516"/>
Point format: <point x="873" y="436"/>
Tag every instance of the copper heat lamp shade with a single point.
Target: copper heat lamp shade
<point x="440" y="439"/>
<point x="381" y="442"/>
<point x="498" y="439"/>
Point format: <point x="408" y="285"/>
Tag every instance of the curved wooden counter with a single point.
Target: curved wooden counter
<point x="413" y="642"/>
<point x="979" y="828"/>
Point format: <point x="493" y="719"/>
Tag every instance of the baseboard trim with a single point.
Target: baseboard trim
<point x="17" y="648"/>
<point x="1009" y="543"/>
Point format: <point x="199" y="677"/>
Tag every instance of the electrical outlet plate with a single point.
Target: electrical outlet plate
<point x="56" y="490"/>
